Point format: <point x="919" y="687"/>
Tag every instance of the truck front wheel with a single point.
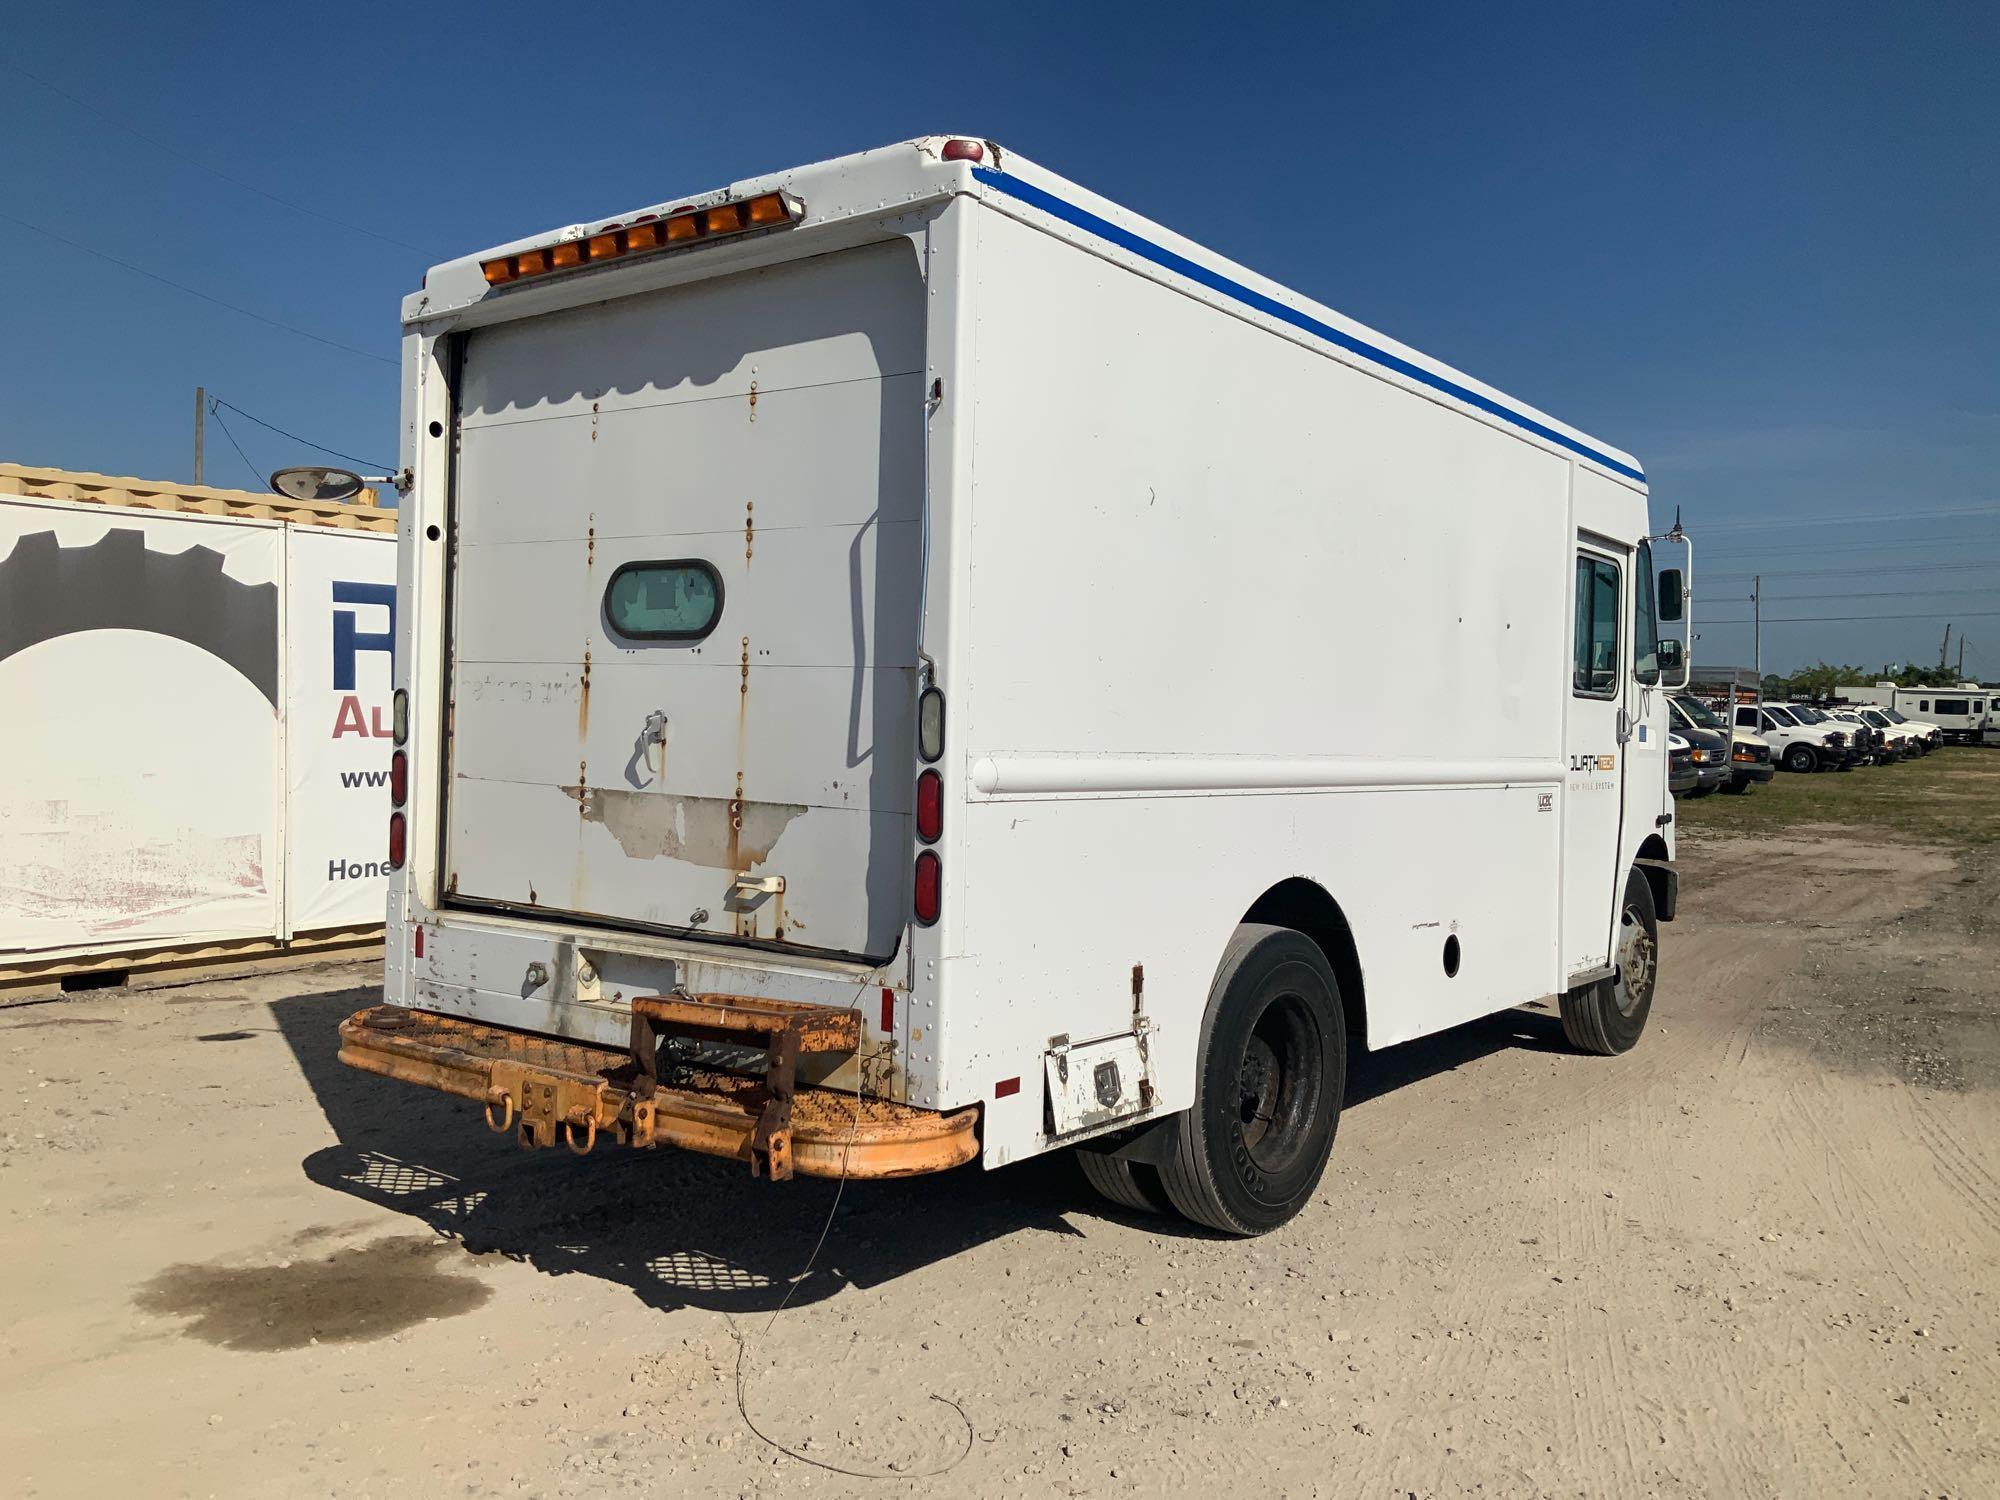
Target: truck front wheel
<point x="1607" y="1017"/>
<point x="1270" y="1073"/>
<point x="1800" y="758"/>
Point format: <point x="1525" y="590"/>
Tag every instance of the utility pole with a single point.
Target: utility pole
<point x="200" y="412"/>
<point x="1757" y="629"/>
<point x="1944" y="651"/>
<point x="1961" y="656"/>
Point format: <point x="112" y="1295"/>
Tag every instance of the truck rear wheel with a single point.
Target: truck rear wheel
<point x="1129" y="1184"/>
<point x="1607" y="1017"/>
<point x="1270" y="1073"/>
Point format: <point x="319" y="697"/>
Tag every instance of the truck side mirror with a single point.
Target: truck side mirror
<point x="1668" y="654"/>
<point x="1672" y="594"/>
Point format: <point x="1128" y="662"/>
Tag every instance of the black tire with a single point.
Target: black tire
<point x="1607" y="1017"/>
<point x="1270" y="1074"/>
<point x="1800" y="758"/>
<point x="1129" y="1184"/>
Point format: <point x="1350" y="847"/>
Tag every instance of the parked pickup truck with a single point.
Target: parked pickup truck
<point x="1708" y="746"/>
<point x="1924" y="737"/>
<point x="1682" y="777"/>
<point x="1749" y="754"/>
<point x="1864" y="743"/>
<point x="1797" y="746"/>
<point x="1749" y="762"/>
<point x="1890" y="742"/>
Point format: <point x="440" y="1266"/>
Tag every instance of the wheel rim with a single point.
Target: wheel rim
<point x="1277" y="1084"/>
<point x="1638" y="960"/>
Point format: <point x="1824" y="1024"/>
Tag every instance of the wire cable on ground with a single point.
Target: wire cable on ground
<point x="743" y="1345"/>
<point x="61" y="239"/>
<point x="201" y="166"/>
<point x="368" y="464"/>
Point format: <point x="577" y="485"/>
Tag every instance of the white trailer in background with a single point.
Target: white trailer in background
<point x="892" y="626"/>
<point x="1964" y="714"/>
<point x="196" y="685"/>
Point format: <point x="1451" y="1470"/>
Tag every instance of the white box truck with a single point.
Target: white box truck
<point x="877" y="650"/>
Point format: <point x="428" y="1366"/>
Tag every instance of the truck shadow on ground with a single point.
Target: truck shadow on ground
<point x="682" y="1230"/>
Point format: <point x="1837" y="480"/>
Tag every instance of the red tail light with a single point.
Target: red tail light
<point x="399" y="840"/>
<point x="930" y="806"/>
<point x="930" y="886"/>
<point x="399" y="778"/>
<point x="963" y="150"/>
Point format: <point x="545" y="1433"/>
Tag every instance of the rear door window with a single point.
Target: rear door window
<point x="663" y="601"/>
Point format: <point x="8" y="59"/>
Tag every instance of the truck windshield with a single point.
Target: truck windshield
<point x="1807" y="715"/>
<point x="1875" y="719"/>
<point x="1891" y="715"/>
<point x="1646" y="628"/>
<point x="1697" y="713"/>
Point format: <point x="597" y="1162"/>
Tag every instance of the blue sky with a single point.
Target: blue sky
<point x="1755" y="245"/>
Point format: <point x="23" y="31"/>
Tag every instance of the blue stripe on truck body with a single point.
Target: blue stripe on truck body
<point x="1215" y="281"/>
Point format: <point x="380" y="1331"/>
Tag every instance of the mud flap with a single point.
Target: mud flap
<point x="1665" y="881"/>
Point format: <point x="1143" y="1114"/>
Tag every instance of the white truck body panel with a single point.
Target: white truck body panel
<point x="1152" y="524"/>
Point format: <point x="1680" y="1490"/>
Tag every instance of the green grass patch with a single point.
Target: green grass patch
<point x="1951" y="796"/>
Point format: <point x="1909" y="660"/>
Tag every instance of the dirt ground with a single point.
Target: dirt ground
<point x="1758" y="1256"/>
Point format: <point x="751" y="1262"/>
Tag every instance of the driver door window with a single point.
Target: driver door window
<point x="1595" y="673"/>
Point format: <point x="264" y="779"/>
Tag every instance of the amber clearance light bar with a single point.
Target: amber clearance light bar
<point x="646" y="234"/>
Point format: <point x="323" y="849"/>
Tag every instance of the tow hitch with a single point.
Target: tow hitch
<point x="785" y="1028"/>
<point x="545" y="1089"/>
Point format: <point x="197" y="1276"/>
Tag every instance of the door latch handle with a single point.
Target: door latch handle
<point x="655" y="733"/>
<point x="753" y="885"/>
<point x="1624" y="725"/>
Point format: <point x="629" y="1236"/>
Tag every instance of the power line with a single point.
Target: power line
<point x="1839" y="594"/>
<point x="1864" y="518"/>
<point x="204" y="296"/>
<point x="1871" y="569"/>
<point x="1936" y="614"/>
<point x="261" y="481"/>
<point x="201" y="166"/>
<point x="1823" y="547"/>
<point x="368" y="464"/>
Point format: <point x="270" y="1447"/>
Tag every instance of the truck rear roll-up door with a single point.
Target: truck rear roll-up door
<point x="749" y="450"/>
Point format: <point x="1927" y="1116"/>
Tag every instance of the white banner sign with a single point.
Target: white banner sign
<point x="339" y="667"/>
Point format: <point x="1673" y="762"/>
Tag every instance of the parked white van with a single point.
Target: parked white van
<point x="806" y="588"/>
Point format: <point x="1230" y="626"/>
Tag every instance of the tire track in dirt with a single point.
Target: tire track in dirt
<point x="1971" y="1181"/>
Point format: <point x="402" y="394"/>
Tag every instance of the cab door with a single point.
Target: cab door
<point x="1594" y="746"/>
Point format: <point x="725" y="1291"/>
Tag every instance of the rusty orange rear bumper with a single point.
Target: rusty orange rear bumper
<point x="550" y="1088"/>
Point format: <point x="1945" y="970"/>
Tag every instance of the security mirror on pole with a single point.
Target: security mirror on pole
<point x="317" y="484"/>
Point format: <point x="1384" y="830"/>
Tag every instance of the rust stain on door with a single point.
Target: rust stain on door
<point x="723" y="833"/>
